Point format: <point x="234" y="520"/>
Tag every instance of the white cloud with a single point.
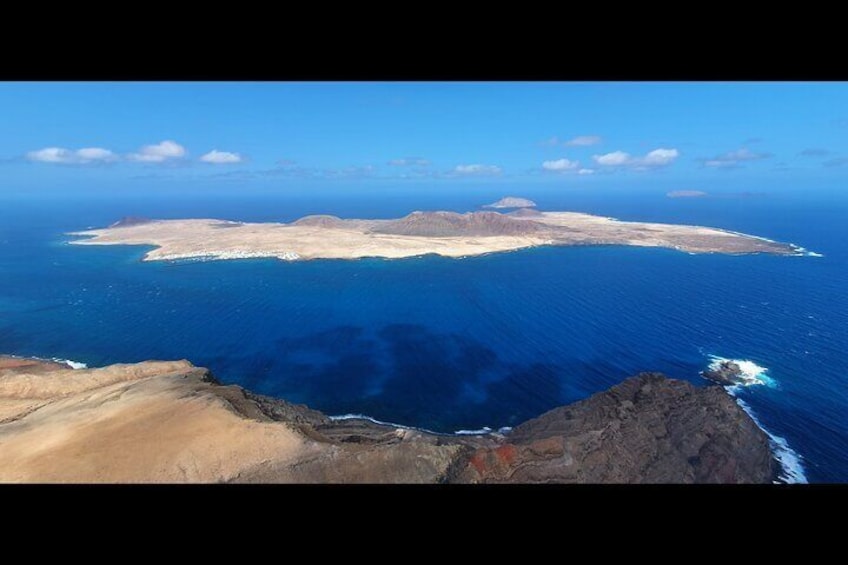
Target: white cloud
<point x="583" y="140"/>
<point x="656" y="158"/>
<point x="84" y="156"/>
<point x="734" y="158"/>
<point x="586" y="172"/>
<point x="614" y="159"/>
<point x="742" y="155"/>
<point x="477" y="170"/>
<point x="409" y="161"/>
<point x="660" y="157"/>
<point x="159" y="152"/>
<point x="579" y="141"/>
<point x="560" y="165"/>
<point x="814" y="152"/>
<point x="51" y="155"/>
<point x="221" y="157"/>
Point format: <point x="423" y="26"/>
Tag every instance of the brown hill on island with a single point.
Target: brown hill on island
<point x="525" y="213"/>
<point x="168" y="421"/>
<point x="127" y="221"/>
<point x="452" y="224"/>
<point x="320" y="220"/>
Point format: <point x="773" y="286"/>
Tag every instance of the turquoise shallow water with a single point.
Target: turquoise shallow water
<point x="449" y="344"/>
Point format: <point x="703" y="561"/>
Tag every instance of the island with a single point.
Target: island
<point x="449" y="234"/>
<point x="172" y="422"/>
<point x="512" y="202"/>
<point x="687" y="194"/>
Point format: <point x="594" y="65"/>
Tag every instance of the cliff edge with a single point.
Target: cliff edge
<point x="169" y="421"/>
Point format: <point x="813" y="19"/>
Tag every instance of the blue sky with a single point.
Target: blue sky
<point x="148" y="137"/>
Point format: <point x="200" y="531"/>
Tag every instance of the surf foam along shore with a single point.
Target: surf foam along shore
<point x="59" y="360"/>
<point x="804" y="252"/>
<point x="797" y="250"/>
<point x="485" y="430"/>
<point x="449" y="234"/>
<point x="790" y="461"/>
<point x="751" y="374"/>
<point x="71" y="364"/>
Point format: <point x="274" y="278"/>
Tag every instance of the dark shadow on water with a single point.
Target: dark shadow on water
<point x="403" y="373"/>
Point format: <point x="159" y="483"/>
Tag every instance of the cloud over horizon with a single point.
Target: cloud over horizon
<point x="216" y="157"/>
<point x="560" y="165"/>
<point x="579" y="141"/>
<point x="477" y="169"/>
<point x="84" y="156"/>
<point x="583" y="140"/>
<point x="159" y="152"/>
<point x="837" y="162"/>
<point x="734" y="159"/>
<point x="814" y="152"/>
<point x="653" y="159"/>
<point x="409" y="161"/>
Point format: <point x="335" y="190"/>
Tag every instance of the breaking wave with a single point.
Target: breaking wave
<point x="751" y="373"/>
<point x="69" y="363"/>
<point x="790" y="461"/>
<point x="485" y="430"/>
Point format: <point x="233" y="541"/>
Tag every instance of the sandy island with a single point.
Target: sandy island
<point x="442" y="233"/>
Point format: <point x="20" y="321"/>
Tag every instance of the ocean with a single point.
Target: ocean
<point x="456" y="344"/>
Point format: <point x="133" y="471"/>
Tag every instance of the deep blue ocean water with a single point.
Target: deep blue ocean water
<point x="447" y="344"/>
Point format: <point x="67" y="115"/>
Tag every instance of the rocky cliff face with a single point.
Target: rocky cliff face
<point x="172" y="422"/>
<point x="648" y="429"/>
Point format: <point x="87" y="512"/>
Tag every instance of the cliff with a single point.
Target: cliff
<point x="169" y="421"/>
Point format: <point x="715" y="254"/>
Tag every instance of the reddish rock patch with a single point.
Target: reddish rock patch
<point x="507" y="453"/>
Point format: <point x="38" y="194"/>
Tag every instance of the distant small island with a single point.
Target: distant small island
<point x="449" y="234"/>
<point x="512" y="202"/>
<point x="686" y="194"/>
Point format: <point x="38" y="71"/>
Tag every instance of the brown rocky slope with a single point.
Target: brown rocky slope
<point x="168" y="421"/>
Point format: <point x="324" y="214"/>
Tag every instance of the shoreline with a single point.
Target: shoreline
<point x="226" y="256"/>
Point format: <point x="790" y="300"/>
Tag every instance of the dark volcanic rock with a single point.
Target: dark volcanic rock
<point x="648" y="429"/>
<point x="130" y="221"/>
<point x="450" y="224"/>
<point x="727" y="373"/>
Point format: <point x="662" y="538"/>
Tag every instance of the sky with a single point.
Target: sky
<point x="168" y="138"/>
